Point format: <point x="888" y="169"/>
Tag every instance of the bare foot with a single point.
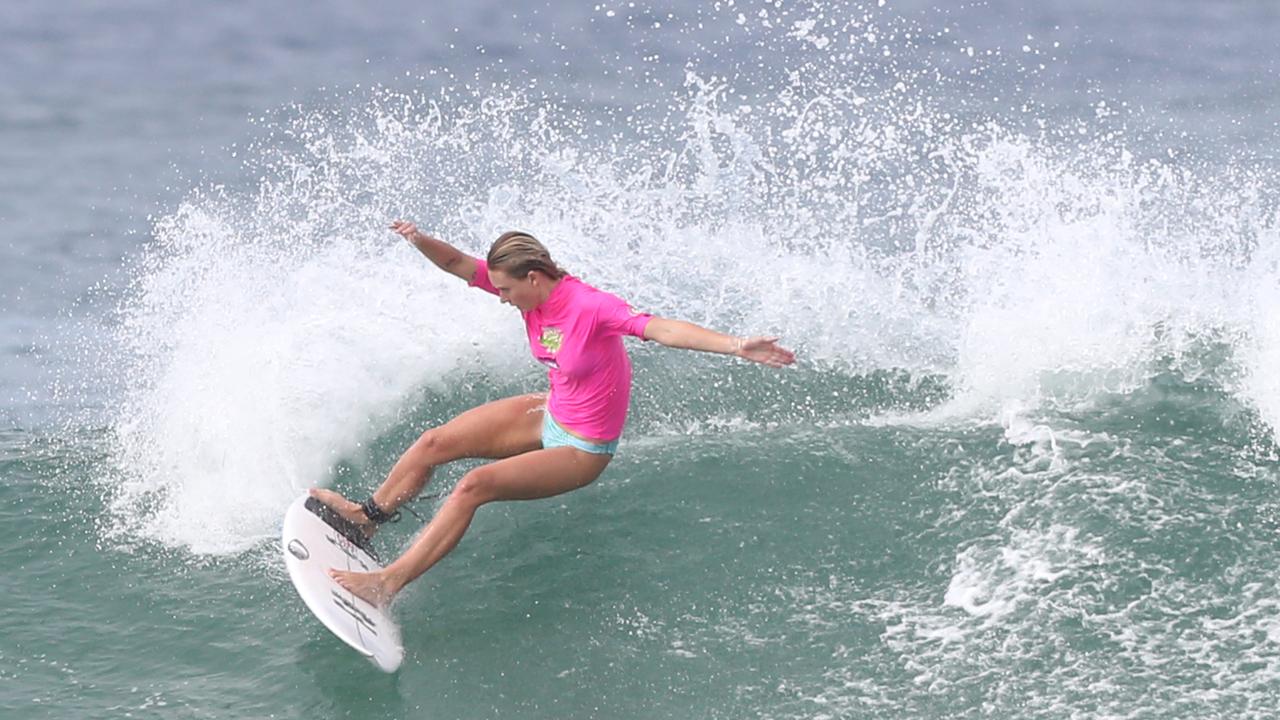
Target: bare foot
<point x="370" y="587"/>
<point x="344" y="507"/>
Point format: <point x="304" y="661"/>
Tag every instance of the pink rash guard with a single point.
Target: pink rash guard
<point x="577" y="332"/>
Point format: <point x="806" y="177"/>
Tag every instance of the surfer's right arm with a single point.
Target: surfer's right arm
<point x="445" y="256"/>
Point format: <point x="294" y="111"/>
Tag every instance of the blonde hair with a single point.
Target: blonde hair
<point x="517" y="254"/>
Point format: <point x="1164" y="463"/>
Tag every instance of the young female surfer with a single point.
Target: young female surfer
<point x="543" y="444"/>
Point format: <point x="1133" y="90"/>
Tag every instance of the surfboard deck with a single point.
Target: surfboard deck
<point x="314" y="539"/>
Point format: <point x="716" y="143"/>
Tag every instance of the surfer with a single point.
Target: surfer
<point x="542" y="444"/>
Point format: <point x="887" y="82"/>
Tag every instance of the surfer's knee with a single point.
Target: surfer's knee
<point x="430" y="449"/>
<point x="475" y="488"/>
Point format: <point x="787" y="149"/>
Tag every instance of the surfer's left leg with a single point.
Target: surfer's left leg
<point x="533" y="475"/>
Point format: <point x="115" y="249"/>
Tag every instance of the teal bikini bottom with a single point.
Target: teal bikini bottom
<point x="555" y="436"/>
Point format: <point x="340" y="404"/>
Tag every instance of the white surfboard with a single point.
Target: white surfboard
<point x="315" y="539"/>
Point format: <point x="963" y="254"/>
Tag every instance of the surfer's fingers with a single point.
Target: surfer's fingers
<point x="776" y="357"/>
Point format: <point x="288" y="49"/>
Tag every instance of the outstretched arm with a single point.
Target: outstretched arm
<point x="686" y="335"/>
<point x="445" y="256"/>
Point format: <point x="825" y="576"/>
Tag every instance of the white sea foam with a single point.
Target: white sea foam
<point x="259" y="364"/>
<point x="989" y="582"/>
<point x="1261" y="350"/>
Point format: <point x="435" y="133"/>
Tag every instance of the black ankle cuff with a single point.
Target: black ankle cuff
<point x="377" y="515"/>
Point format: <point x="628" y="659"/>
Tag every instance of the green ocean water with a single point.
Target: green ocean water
<point x="1111" y="560"/>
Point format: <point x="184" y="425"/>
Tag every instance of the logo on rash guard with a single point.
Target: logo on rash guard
<point x="551" y="339"/>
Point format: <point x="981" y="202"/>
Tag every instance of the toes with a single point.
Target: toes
<point x="328" y="497"/>
<point x="335" y="501"/>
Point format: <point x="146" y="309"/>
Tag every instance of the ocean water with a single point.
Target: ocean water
<point x="1028" y="253"/>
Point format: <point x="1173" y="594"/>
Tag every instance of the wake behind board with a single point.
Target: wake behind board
<point x="314" y="539"/>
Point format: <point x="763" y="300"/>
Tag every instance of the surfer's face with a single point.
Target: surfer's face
<point x="523" y="292"/>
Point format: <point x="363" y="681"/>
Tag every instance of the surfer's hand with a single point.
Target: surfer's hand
<point x="404" y="228"/>
<point x="344" y="507"/>
<point x="766" y="351"/>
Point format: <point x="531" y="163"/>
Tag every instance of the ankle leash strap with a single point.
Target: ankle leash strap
<point x="377" y="515"/>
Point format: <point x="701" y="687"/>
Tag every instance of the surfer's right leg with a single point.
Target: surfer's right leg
<point x="497" y="429"/>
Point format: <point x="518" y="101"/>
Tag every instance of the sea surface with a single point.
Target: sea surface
<point x="1028" y="254"/>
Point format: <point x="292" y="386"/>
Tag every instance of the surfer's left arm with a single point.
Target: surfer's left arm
<point x="688" y="336"/>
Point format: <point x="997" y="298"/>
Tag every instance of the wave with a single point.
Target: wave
<point x="875" y="219"/>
